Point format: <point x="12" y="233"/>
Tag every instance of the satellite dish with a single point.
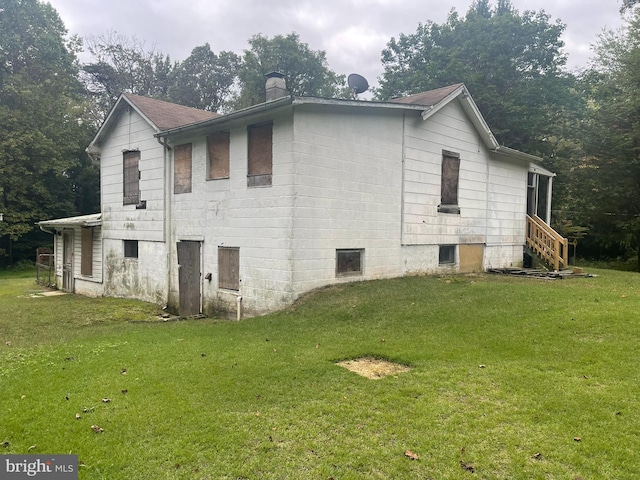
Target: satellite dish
<point x="357" y="83"/>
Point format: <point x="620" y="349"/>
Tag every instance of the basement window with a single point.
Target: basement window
<point x="447" y="255"/>
<point x="260" y="155"/>
<point x="130" y="249"/>
<point x="349" y="262"/>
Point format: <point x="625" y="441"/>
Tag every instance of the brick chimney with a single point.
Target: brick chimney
<point x="275" y="86"/>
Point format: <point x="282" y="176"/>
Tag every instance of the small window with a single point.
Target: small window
<point x="260" y="151"/>
<point x="349" y="262"/>
<point x="449" y="182"/>
<point x="86" y="261"/>
<point x="229" y="268"/>
<point x="218" y="150"/>
<point x="182" y="169"/>
<point x="131" y="175"/>
<point x="447" y="255"/>
<point x="130" y="249"/>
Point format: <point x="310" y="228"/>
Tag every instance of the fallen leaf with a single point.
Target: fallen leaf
<point x="125" y="391"/>
<point x="482" y="366"/>
<point x="5" y="443"/>
<point x="467" y="466"/>
<point x="409" y="454"/>
<point x="8" y="343"/>
<point x="577" y="439"/>
<point x="78" y="416"/>
<point x="537" y="456"/>
<point x="106" y="400"/>
<point x="31" y="448"/>
<point x="123" y="371"/>
<point x="69" y="359"/>
<point x="97" y="429"/>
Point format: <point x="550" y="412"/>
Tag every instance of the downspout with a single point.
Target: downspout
<point x="166" y="158"/>
<point x="404" y="120"/>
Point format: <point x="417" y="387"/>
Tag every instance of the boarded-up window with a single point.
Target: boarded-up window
<point x="260" y="151"/>
<point x="449" y="182"/>
<point x="229" y="268"/>
<point x="86" y="262"/>
<point x="349" y="261"/>
<point x="131" y="183"/>
<point x="218" y="149"/>
<point x="182" y="169"/>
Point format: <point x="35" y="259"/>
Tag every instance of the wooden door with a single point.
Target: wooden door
<point x="67" y="261"/>
<point x="189" y="278"/>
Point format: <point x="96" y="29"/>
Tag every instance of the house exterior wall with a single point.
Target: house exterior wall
<point x="490" y="195"/>
<point x="89" y="285"/>
<point x="229" y="213"/>
<point x="143" y="278"/>
<point x="347" y="195"/>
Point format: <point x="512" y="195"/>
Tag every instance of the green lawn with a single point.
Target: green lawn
<point x="511" y="378"/>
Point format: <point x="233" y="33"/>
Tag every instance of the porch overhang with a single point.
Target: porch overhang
<point x="93" y="220"/>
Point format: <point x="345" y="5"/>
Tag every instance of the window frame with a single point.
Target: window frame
<point x="260" y="154"/>
<point x="130" y="249"/>
<point x="341" y="271"/>
<point x="131" y="177"/>
<point x="229" y="268"/>
<point x="449" y="183"/>
<point x="218" y="163"/>
<point x="447" y="254"/>
<point x="86" y="251"/>
<point x="182" y="168"/>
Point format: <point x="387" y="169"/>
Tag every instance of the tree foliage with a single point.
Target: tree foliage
<point x="609" y="171"/>
<point x="205" y="80"/>
<point x="306" y="71"/>
<point x="123" y="65"/>
<point x="42" y="132"/>
<point x="511" y="62"/>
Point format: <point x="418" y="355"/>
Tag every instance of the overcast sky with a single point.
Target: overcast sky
<point x="351" y="32"/>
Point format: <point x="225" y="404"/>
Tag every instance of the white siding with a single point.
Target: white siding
<point x="449" y="129"/>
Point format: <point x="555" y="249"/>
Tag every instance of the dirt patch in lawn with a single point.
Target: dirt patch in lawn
<point x="373" y="368"/>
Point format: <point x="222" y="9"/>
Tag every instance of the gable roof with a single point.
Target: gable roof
<point x="165" y="115"/>
<point x="429" y="98"/>
<point x="160" y="115"/>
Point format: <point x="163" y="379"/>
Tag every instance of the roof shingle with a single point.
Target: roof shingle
<point x="430" y="98"/>
<point x="165" y="115"/>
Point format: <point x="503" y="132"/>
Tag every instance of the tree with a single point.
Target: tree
<point x="123" y="65"/>
<point x="610" y="173"/>
<point x="43" y="130"/>
<point x="512" y="63"/>
<point x="306" y="71"/>
<point x="205" y="80"/>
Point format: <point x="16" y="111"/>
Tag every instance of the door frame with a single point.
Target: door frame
<point x="68" y="258"/>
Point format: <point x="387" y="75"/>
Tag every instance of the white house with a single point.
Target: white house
<point x="250" y="210"/>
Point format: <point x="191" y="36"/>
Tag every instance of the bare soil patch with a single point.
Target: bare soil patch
<point x="373" y="368"/>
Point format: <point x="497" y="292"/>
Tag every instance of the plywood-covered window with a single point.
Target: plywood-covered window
<point x="218" y="151"/>
<point x="229" y="268"/>
<point x="131" y="183"/>
<point x="182" y="169"/>
<point x="349" y="261"/>
<point x="449" y="182"/>
<point x="260" y="154"/>
<point x="86" y="260"/>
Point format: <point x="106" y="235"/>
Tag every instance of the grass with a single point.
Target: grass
<point x="513" y="378"/>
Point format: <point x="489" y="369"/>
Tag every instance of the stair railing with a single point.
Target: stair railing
<point x="547" y="243"/>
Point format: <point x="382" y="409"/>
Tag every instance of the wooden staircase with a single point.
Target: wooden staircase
<point x="548" y="244"/>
